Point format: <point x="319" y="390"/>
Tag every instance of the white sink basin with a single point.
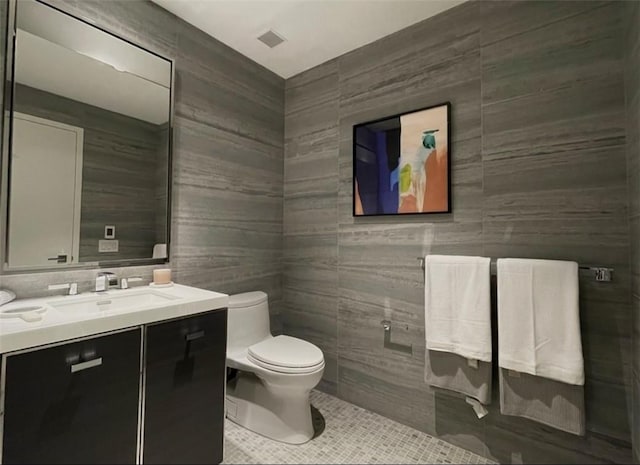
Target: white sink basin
<point x="27" y="313"/>
<point x="26" y="323"/>
<point x="128" y="300"/>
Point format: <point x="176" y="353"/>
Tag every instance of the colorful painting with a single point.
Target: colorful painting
<point x="401" y="164"/>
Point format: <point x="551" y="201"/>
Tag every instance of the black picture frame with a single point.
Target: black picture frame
<point x="449" y="208"/>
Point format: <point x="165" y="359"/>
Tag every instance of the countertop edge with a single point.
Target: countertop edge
<point x="31" y="339"/>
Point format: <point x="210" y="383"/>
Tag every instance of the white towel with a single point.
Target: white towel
<point x="539" y="319"/>
<point x="159" y="251"/>
<point x="458" y="305"/>
<point x="449" y="371"/>
<point x="550" y="402"/>
<point x="6" y="296"/>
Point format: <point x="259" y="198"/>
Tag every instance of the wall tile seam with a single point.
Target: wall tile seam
<point x="246" y="136"/>
<point x="548" y="23"/>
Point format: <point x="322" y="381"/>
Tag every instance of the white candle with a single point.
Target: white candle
<point x="162" y="276"/>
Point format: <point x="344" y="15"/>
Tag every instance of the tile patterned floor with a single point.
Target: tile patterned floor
<point x="352" y="435"/>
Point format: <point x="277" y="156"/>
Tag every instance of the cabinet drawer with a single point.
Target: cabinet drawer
<point x="74" y="403"/>
<point x="170" y="340"/>
<point x="184" y="390"/>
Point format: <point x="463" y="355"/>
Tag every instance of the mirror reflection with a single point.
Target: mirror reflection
<point x="89" y="154"/>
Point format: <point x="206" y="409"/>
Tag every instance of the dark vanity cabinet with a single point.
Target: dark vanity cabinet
<point x="74" y="403"/>
<point x="184" y="390"/>
<point x="83" y="402"/>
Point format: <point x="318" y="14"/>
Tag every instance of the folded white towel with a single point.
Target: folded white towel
<point x="159" y="251"/>
<point x="6" y="296"/>
<point x="458" y="305"/>
<point x="539" y="319"/>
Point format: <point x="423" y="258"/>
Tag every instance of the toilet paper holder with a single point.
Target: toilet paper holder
<point x="388" y="344"/>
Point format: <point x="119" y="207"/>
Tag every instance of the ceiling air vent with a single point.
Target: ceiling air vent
<point x="271" y="39"/>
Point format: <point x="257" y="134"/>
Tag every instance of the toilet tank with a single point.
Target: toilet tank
<point x="248" y="320"/>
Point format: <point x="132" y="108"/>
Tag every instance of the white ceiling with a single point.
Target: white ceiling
<point x="68" y="32"/>
<point x="315" y="30"/>
<point x="81" y="78"/>
<point x="88" y="65"/>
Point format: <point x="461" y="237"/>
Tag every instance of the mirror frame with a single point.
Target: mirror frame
<point x="7" y="132"/>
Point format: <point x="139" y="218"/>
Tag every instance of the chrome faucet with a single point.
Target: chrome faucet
<point x="105" y="280"/>
<point x="73" y="287"/>
<point x="124" y="282"/>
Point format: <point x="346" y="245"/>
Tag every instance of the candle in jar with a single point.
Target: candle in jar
<point x="162" y="276"/>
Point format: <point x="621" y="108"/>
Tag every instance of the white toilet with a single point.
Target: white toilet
<point x="270" y="394"/>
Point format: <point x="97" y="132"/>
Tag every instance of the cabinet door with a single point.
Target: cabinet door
<point x="184" y="390"/>
<point x="74" y="403"/>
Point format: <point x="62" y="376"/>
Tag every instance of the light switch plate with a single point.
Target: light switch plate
<point x="109" y="245"/>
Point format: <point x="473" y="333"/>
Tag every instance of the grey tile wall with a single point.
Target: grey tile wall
<point x="538" y="118"/>
<point x="120" y="158"/>
<point x="538" y="170"/>
<point x="228" y="171"/>
<point x="161" y="182"/>
<point x="35" y="284"/>
<point x="310" y="279"/>
<point x="555" y="173"/>
<point x="228" y="155"/>
<point x="632" y="87"/>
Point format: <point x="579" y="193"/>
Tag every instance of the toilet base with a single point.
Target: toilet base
<point x="282" y="413"/>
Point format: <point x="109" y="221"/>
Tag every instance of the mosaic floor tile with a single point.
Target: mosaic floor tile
<point x="352" y="435"/>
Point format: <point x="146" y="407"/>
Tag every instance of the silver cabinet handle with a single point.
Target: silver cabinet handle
<point x="85" y="365"/>
<point x="194" y="336"/>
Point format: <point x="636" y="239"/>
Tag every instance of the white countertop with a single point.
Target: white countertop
<point x="57" y="325"/>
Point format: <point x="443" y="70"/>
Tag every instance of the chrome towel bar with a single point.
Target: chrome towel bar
<point x="599" y="273"/>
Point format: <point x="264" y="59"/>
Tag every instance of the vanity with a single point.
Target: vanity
<point x="122" y="376"/>
<point x="134" y="374"/>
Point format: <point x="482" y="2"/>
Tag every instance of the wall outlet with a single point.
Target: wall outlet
<point x="107" y="245"/>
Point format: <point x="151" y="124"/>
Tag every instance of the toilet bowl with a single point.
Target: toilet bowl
<point x="270" y="393"/>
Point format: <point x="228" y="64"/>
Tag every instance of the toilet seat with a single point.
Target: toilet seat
<point x="285" y="354"/>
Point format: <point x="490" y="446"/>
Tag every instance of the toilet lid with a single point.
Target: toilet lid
<point x="287" y="352"/>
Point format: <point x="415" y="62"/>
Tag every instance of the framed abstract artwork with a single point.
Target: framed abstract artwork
<point x="402" y="163"/>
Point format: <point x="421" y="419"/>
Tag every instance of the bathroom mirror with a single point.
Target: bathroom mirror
<point x="86" y="146"/>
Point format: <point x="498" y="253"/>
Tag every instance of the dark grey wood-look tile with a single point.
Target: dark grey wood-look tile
<point x="457" y="423"/>
<point x="34" y="285"/>
<point x="506" y="19"/>
<point x="553" y="144"/>
<point x="379" y="381"/>
<point x="543" y="445"/>
<point x="237" y="111"/>
<point x="582" y="49"/>
<point x="120" y="157"/>
<point x="524" y="150"/>
<point x="305" y="315"/>
<point x="310" y="213"/>
<point x="465" y="55"/>
<point x="636" y="415"/>
<point x="632" y="94"/>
